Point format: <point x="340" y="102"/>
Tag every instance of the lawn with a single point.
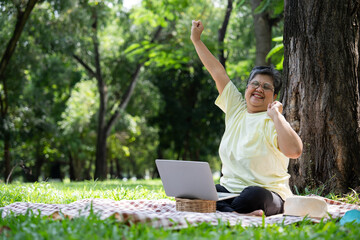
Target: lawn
<point x="35" y="227"/>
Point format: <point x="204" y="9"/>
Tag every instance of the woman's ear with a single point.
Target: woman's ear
<point x="275" y="96"/>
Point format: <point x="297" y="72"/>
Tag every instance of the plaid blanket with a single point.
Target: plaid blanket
<point x="159" y="213"/>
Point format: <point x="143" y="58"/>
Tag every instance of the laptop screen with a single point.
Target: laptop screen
<point x="187" y="179"/>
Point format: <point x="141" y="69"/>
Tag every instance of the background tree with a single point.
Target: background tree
<point x="55" y="94"/>
<point x="222" y="32"/>
<point x="40" y="83"/>
<point x="189" y="123"/>
<point x="266" y="13"/>
<point x="22" y="13"/>
<point x="78" y="125"/>
<point x="321" y="91"/>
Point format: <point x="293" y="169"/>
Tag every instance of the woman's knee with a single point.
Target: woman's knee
<point x="256" y="192"/>
<point x="252" y="198"/>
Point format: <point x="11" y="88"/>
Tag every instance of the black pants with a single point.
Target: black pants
<point x="251" y="198"/>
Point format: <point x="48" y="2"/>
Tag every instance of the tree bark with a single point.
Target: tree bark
<point x="100" y="162"/>
<point x="22" y="17"/>
<point x="321" y="91"/>
<point x="262" y="28"/>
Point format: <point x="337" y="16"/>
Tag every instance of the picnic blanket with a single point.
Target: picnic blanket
<point x="159" y="213"/>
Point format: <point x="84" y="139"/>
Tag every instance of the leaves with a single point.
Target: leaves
<point x="81" y="107"/>
<point x="275" y="7"/>
<point x="54" y="99"/>
<point x="277" y="53"/>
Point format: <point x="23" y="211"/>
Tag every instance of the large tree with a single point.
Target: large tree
<point x="24" y="9"/>
<point x="321" y="92"/>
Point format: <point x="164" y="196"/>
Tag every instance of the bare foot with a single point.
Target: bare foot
<point x="258" y="213"/>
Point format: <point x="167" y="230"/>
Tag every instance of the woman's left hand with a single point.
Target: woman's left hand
<point x="289" y="141"/>
<point x="274" y="108"/>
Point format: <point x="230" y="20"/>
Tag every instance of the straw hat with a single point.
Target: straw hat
<point x="305" y="206"/>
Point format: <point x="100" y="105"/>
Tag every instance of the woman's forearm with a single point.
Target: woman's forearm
<point x="289" y="141"/>
<point x="216" y="70"/>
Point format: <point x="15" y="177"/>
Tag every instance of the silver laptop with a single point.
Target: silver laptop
<point x="189" y="179"/>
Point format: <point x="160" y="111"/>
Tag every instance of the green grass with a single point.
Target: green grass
<point x="35" y="227"/>
<point x="58" y="192"/>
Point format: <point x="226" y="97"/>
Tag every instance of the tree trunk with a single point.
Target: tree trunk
<point x="321" y="91"/>
<point x="55" y="171"/>
<point x="262" y="28"/>
<point x="105" y="128"/>
<point x="222" y="32"/>
<point x="21" y="20"/>
<point x="7" y="158"/>
<point x="71" y="166"/>
<point x="101" y="162"/>
<point x="118" y="169"/>
<point x="39" y="161"/>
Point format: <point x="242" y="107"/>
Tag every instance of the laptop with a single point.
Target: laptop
<point x="189" y="179"/>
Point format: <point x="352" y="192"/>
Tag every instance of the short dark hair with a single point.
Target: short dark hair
<point x="270" y="71"/>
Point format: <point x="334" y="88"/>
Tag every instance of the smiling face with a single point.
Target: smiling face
<point x="258" y="98"/>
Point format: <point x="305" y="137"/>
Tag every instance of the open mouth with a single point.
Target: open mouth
<point x="257" y="95"/>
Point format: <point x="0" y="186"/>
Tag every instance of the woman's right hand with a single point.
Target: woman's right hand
<point x="196" y="30"/>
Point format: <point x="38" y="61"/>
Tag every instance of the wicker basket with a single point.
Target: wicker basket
<point x="195" y="205"/>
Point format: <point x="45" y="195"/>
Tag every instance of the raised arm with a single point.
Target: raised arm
<point x="216" y="70"/>
<point x="290" y="143"/>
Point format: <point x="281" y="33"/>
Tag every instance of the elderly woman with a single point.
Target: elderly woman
<point x="257" y="142"/>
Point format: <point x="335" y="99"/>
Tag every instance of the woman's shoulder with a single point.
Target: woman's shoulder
<point x="230" y="100"/>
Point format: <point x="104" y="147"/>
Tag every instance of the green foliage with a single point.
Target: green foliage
<point x="277" y="53"/>
<point x="81" y="107"/>
<point x="187" y="114"/>
<point x="130" y="148"/>
<point x="241" y="54"/>
<point x="77" y="126"/>
<point x="53" y="100"/>
<point x="38" y="86"/>
<point x="275" y="7"/>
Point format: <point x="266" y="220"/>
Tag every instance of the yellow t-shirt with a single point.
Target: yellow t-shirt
<point x="249" y="149"/>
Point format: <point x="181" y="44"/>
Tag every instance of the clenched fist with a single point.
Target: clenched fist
<point x="274" y="108"/>
<point x="196" y="30"/>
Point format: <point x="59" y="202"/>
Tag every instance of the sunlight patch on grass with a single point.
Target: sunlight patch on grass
<point x="64" y="193"/>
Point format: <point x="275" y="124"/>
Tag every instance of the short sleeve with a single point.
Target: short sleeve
<point x="230" y="100"/>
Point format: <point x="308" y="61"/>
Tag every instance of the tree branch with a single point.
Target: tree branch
<point x="222" y="32"/>
<point x="19" y="27"/>
<point x="1" y="106"/>
<point x="274" y="21"/>
<point x="22" y="18"/>
<point x="87" y="67"/>
<point x="126" y="97"/>
<point x="96" y="46"/>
